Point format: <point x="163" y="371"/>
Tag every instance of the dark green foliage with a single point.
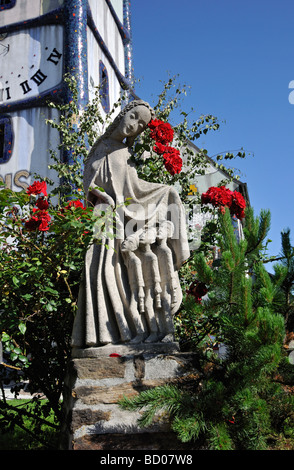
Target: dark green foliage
<point x="230" y="403"/>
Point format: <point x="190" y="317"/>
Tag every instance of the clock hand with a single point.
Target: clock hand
<point x="6" y="48"/>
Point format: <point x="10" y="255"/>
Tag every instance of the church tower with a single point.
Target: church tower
<point x="40" y="41"/>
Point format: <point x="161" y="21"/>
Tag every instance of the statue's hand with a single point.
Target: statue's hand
<point x="102" y="197"/>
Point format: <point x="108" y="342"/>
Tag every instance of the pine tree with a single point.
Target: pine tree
<point x="229" y="404"/>
<point x="284" y="278"/>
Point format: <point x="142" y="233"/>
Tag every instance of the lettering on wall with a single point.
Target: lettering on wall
<point x="17" y="179"/>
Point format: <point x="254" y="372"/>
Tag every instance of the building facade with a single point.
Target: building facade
<point x="41" y="41"/>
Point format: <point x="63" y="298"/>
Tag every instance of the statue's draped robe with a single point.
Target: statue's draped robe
<point x="103" y="309"/>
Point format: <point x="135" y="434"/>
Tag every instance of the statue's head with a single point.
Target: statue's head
<point x="131" y="121"/>
<point x="148" y="236"/>
<point x="131" y="243"/>
<point x="165" y="230"/>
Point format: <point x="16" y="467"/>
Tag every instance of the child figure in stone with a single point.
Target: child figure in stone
<point x="152" y="281"/>
<point x="136" y="283"/>
<point x="168" y="278"/>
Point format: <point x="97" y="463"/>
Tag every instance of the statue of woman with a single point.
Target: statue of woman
<point x="110" y="179"/>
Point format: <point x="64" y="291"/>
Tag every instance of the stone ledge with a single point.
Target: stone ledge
<point x="126" y="349"/>
<point x="106" y="367"/>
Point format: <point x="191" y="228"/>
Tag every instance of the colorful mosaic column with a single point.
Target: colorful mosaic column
<point x="75" y="52"/>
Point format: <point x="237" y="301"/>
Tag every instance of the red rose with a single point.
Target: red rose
<point x="75" y="204"/>
<point x="39" y="220"/>
<point x="238" y="205"/>
<point x="161" y="132"/>
<point x="37" y="187"/>
<point x="172" y="160"/>
<point x="159" y="148"/>
<point x="42" y="203"/>
<point x="32" y="224"/>
<point x="44" y="218"/>
<point x="223" y="197"/>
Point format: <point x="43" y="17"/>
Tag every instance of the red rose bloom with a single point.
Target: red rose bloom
<point x="159" y="148"/>
<point x="42" y="203"/>
<point x="161" y="132"/>
<point x="223" y="197"/>
<point x="238" y="205"/>
<point x="172" y="160"/>
<point x="39" y="220"/>
<point x="44" y="218"/>
<point x="37" y="187"/>
<point x="75" y="204"/>
<point x="217" y="196"/>
<point x="32" y="224"/>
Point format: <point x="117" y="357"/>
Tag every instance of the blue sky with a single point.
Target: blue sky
<point x="238" y="58"/>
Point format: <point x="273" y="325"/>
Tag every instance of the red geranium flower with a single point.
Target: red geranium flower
<point x="161" y="132"/>
<point x="37" y="187"/>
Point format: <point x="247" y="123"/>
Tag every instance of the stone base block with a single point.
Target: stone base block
<point x="99" y="377"/>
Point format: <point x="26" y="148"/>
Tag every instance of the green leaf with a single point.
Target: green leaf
<point x="5" y="337"/>
<point x="22" y="328"/>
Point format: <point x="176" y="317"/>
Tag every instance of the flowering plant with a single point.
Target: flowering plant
<point x="222" y="197"/>
<point x="163" y="135"/>
<point x="40" y="218"/>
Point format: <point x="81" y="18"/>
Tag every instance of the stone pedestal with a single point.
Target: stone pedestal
<point x="99" y="377"/>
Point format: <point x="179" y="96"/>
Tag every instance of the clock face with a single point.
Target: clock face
<point x="31" y="62"/>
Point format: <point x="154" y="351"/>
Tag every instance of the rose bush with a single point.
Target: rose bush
<point x="163" y="134"/>
<point x="222" y="197"/>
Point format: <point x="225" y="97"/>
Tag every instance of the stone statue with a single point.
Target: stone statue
<point x="136" y="282"/>
<point x="117" y="301"/>
<point x="152" y="281"/>
<point x="171" y="296"/>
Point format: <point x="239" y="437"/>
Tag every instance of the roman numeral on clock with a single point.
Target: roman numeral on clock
<point x="54" y="56"/>
<point x="39" y="77"/>
<point x="25" y="87"/>
<point x="2" y="90"/>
